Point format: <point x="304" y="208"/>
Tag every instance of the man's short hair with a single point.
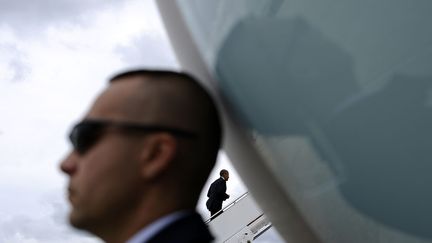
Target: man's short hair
<point x="216" y="130"/>
<point x="223" y="172"/>
<point x="153" y="73"/>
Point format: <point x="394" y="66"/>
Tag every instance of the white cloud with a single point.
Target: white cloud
<point x="13" y="63"/>
<point x="141" y="47"/>
<point x="80" y="32"/>
<point x="43" y="220"/>
<point x="27" y="18"/>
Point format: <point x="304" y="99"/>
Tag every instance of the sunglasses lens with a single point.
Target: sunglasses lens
<point x="83" y="136"/>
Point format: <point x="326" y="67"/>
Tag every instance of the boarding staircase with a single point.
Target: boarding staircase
<point x="241" y="221"/>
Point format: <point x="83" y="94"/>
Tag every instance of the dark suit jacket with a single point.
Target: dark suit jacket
<point x="188" y="229"/>
<point x="216" y="194"/>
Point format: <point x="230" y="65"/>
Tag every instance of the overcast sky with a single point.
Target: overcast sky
<point x="55" y="57"/>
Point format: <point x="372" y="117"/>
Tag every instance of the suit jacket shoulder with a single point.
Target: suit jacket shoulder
<point x="188" y="229"/>
<point x="216" y="187"/>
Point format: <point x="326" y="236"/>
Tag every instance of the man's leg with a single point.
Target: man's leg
<point x="215" y="213"/>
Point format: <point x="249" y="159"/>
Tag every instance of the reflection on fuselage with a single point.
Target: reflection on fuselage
<point x="291" y="78"/>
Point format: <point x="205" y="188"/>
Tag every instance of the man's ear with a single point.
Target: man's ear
<point x="157" y="154"/>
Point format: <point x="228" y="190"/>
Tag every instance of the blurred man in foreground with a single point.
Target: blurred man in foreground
<point x="140" y="158"/>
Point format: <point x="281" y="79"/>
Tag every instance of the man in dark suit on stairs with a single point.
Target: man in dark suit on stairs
<point x="217" y="194"/>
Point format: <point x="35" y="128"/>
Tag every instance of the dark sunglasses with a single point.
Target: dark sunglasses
<point x="86" y="133"/>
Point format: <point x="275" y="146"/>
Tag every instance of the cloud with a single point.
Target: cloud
<point x="47" y="225"/>
<point x="129" y="34"/>
<point x="148" y="49"/>
<point x="24" y="22"/>
<point x="13" y="63"/>
<point x="29" y="17"/>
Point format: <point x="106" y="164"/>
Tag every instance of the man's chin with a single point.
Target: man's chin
<point x="82" y="222"/>
<point x="77" y="221"/>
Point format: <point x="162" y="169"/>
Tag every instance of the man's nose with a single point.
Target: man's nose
<point x="69" y="164"/>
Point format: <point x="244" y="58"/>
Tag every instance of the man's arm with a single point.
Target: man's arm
<point x="221" y="191"/>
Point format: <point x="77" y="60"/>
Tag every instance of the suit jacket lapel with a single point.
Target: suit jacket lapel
<point x="188" y="229"/>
